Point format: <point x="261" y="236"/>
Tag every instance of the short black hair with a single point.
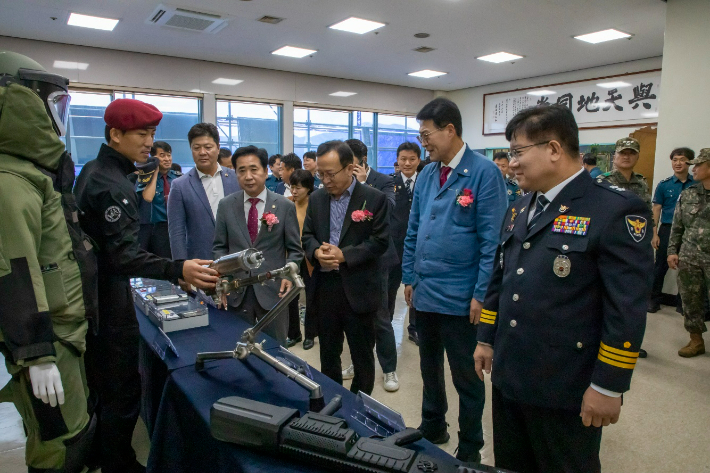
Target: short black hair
<point x="162" y="145"/>
<point x="687" y="152"/>
<point x="442" y="112"/>
<point x="260" y="153"/>
<point x="291" y="161"/>
<point x="107" y="134"/>
<point x="203" y="129"/>
<point x="344" y="152"/>
<point x="225" y="153"/>
<point x="309" y="155"/>
<point x="409" y="146"/>
<point x="546" y="122"/>
<point x="303" y="178"/>
<point x="359" y="148"/>
<point x="589" y="159"/>
<point x="176" y="167"/>
<point x="274" y="158"/>
<point x="501" y="155"/>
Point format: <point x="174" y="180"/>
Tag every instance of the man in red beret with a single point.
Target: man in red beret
<point x="109" y="214"/>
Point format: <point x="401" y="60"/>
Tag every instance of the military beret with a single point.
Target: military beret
<point x="130" y="114"/>
<point x="703" y="156"/>
<point x="628" y="143"/>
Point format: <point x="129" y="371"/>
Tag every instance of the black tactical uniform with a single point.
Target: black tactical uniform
<point x="109" y="214"/>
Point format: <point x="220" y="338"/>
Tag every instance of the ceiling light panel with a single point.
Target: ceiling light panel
<point x="357" y="25"/>
<point x="500" y="57"/>
<point x="539" y="93"/>
<point x="82" y="66"/>
<point x="223" y="81"/>
<point x="613" y="85"/>
<point x="94" y="22"/>
<point x="602" y="36"/>
<point x="293" y="51"/>
<point x="427" y="74"/>
<point x="343" y="94"/>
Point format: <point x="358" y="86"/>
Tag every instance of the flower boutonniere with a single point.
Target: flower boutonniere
<point x="464" y="198"/>
<point x="361" y="215"/>
<point x="269" y="220"/>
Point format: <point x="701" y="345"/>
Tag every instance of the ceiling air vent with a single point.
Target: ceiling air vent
<point x="272" y="20"/>
<point x="424" y="49"/>
<point x="174" y="17"/>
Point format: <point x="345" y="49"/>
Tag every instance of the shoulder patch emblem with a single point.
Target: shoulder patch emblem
<point x="637" y="227"/>
<point x="112" y="214"/>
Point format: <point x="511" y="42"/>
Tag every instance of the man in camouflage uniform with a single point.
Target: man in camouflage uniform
<point x="623" y="176"/>
<point x="689" y="252"/>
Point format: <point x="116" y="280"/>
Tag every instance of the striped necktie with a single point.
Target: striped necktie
<point x="539" y="208"/>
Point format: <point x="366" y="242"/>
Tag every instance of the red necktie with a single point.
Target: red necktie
<point x="253" y="220"/>
<point x="166" y="187"/>
<point x="443" y="175"/>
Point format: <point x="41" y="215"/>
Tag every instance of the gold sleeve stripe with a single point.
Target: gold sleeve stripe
<point x="632" y="354"/>
<point x="623" y="359"/>
<point x="486" y="316"/>
<point x="488" y="321"/>
<point x="489" y="312"/>
<point x="615" y="363"/>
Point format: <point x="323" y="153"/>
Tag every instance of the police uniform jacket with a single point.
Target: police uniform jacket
<point x="109" y="214"/>
<point x="566" y="306"/>
<point x="399" y="218"/>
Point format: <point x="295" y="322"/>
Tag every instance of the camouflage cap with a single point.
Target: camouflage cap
<point x="628" y="143"/>
<point x="703" y="156"/>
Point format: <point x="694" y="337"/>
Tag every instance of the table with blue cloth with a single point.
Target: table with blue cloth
<point x="181" y="439"/>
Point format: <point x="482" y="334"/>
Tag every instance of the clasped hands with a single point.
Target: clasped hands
<point x="597" y="409"/>
<point x="329" y="256"/>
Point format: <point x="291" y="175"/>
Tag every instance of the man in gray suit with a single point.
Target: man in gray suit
<point x="192" y="206"/>
<point x="258" y="218"/>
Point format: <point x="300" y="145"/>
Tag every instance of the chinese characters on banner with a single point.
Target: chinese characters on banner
<point x="613" y="101"/>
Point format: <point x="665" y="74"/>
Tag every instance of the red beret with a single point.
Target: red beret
<point x="130" y="114"/>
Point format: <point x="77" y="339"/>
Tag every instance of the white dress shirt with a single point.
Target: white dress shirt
<point x="455" y="162"/>
<point x="413" y="178"/>
<point x="287" y="190"/>
<point x="214" y="188"/>
<point x="259" y="205"/>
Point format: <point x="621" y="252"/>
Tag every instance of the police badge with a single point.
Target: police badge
<point x="562" y="266"/>
<point x="636" y="226"/>
<point x="112" y="214"/>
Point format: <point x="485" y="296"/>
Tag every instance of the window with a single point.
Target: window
<point x="179" y="115"/>
<point x="392" y="131"/>
<point x="85" y="132"/>
<point x="243" y="124"/>
<point x="312" y="127"/>
<point x="381" y="133"/>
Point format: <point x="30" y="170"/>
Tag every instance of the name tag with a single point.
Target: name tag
<point x="571" y="225"/>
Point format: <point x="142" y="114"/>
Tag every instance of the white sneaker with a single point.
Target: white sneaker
<point x="391" y="382"/>
<point x="349" y="372"/>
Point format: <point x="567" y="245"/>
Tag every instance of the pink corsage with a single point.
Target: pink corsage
<point x="269" y="219"/>
<point x="361" y="215"/>
<point x="464" y="199"/>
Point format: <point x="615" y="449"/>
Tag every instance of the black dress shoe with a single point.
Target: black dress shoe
<point x="292" y="341"/>
<point x="436" y="438"/>
<point x="413" y="337"/>
<point x="642" y="353"/>
<point x="308" y="343"/>
<point x="468" y="458"/>
<point x="653" y="308"/>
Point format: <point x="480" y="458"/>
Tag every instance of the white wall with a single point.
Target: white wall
<point x="470" y="101"/>
<point x="111" y="69"/>
<point x="684" y="109"/>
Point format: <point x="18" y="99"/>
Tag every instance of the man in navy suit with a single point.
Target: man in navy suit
<point x="457" y="210"/>
<point x="289" y="163"/>
<point x="192" y="206"/>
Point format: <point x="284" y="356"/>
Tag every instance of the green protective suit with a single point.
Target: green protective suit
<point x="42" y="314"/>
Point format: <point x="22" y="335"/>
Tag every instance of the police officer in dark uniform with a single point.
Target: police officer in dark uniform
<point x="565" y="311"/>
<point x="512" y="188"/>
<point x="109" y="214"/>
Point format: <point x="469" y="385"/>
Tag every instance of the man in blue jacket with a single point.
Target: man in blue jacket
<point x="457" y="212"/>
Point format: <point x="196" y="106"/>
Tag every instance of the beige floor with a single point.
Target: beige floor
<point x="664" y="425"/>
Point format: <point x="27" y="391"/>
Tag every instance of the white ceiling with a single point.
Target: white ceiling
<point x="461" y="30"/>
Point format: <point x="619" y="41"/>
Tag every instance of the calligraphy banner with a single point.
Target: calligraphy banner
<point x="604" y="102"/>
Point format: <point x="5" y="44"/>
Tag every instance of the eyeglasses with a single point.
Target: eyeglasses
<point x="515" y="153"/>
<point x="328" y="175"/>
<point x="424" y="137"/>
